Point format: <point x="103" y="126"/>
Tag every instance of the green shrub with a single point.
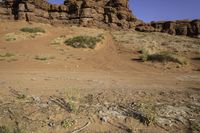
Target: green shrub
<point x="32" y="30"/>
<point x="83" y="42"/>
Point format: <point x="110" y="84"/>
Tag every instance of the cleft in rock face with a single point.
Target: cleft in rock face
<point x="100" y="13"/>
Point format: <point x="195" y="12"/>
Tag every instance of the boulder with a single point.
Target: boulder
<point x="145" y="28"/>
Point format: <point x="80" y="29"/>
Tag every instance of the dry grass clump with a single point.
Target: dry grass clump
<point x="6" y="129"/>
<point x="162" y="57"/>
<point x="43" y="58"/>
<point x="57" y="41"/>
<point x="198" y="56"/>
<point x="33" y="30"/>
<point x="67" y="123"/>
<point x="7" y="55"/>
<point x="83" y="41"/>
<point x="147" y="110"/>
<point x="10" y="37"/>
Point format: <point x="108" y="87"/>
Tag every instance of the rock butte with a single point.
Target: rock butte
<point x="98" y="13"/>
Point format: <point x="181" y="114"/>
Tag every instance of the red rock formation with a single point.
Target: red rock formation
<point x="180" y="27"/>
<point x="101" y="13"/>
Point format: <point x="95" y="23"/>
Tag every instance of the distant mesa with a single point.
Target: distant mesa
<point x="180" y="27"/>
<point x="99" y="13"/>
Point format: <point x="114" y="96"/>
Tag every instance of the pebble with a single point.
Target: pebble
<point x="51" y="124"/>
<point x="104" y="119"/>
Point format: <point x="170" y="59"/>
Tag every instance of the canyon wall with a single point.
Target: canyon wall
<point x="180" y="27"/>
<point x="100" y="13"/>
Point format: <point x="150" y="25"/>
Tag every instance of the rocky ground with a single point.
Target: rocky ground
<point x="47" y="86"/>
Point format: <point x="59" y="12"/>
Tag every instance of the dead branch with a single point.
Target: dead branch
<point x="81" y="128"/>
<point x="62" y="103"/>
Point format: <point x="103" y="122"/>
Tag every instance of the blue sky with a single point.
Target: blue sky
<point x="155" y="10"/>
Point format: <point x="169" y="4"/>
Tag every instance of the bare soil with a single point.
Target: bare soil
<point x="102" y="90"/>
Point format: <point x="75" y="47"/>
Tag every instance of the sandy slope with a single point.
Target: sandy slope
<point x="106" y="69"/>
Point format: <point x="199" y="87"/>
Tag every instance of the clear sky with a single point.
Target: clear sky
<point x="155" y="10"/>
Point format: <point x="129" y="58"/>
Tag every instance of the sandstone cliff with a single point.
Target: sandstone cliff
<point x="179" y="27"/>
<point x="101" y="13"/>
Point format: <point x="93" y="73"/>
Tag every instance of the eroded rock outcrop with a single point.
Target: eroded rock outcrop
<point x="101" y="13"/>
<point x="179" y="27"/>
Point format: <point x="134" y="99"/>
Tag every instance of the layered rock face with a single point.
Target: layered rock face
<point x="184" y="27"/>
<point x="180" y="27"/>
<point x="101" y="13"/>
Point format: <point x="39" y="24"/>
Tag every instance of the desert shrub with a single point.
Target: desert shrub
<point x="145" y="54"/>
<point x="100" y="36"/>
<point x="198" y="69"/>
<point x="147" y="112"/>
<point x="83" y="42"/>
<point x="198" y="56"/>
<point x="32" y="30"/>
<point x="57" y="41"/>
<point x="7" y="55"/>
<point x="167" y="57"/>
<point x="67" y="123"/>
<point x="163" y="57"/>
<point x="6" y="129"/>
<point x="10" y="37"/>
<point x="43" y="58"/>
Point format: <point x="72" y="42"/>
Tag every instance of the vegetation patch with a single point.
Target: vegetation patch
<point x="83" y="41"/>
<point x="43" y="58"/>
<point x="6" y="129"/>
<point x="7" y="55"/>
<point x="57" y="41"/>
<point x="12" y="59"/>
<point x="10" y="37"/>
<point x="67" y="123"/>
<point x="143" y="111"/>
<point x="162" y="57"/>
<point x="197" y="56"/>
<point x="198" y="69"/>
<point x="32" y="30"/>
<point x="145" y="54"/>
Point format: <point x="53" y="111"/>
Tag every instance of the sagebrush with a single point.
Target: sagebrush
<point x="83" y="41"/>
